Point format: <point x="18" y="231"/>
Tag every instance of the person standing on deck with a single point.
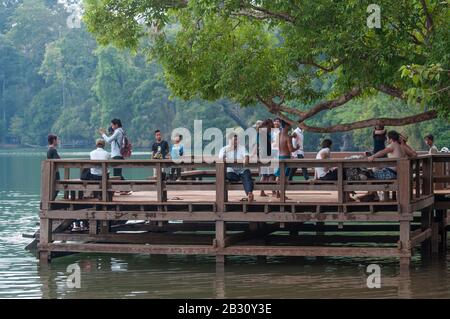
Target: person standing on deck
<point x="285" y="150"/>
<point x="297" y="142"/>
<point x="379" y="139"/>
<point x="234" y="152"/>
<point x="176" y="152"/>
<point x="52" y="153"/>
<point x="275" y="146"/>
<point x="160" y="150"/>
<point x="116" y="140"/>
<point x="429" y="140"/>
<point x="265" y="149"/>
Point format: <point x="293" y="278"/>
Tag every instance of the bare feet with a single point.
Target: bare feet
<point x="250" y="197"/>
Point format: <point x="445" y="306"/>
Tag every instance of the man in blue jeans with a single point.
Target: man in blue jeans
<point x="232" y="153"/>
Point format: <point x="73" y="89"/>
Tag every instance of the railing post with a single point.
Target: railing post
<point x="340" y="183"/>
<point x="404" y="197"/>
<point x="427" y="169"/>
<point x="404" y="185"/>
<point x="417" y="177"/>
<point x="46" y="197"/>
<point x="160" y="184"/>
<point x="282" y="168"/>
<point x="221" y="187"/>
<point x="52" y="188"/>
<point x="66" y="177"/>
<point x="104" y="182"/>
<point x="45" y="185"/>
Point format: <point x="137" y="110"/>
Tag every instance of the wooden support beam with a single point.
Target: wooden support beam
<point x="221" y="187"/>
<point x="46" y="196"/>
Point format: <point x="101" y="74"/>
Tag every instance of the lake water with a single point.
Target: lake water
<point x="144" y="276"/>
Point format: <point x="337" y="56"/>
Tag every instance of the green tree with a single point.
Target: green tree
<point x="272" y="52"/>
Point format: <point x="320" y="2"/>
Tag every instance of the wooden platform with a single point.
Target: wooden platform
<point x="208" y="216"/>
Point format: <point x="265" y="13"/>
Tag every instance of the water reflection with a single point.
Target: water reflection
<point x="143" y="276"/>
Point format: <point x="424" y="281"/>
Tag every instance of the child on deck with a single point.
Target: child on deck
<point x="176" y="151"/>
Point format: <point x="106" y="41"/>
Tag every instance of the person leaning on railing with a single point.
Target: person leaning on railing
<point x="397" y="148"/>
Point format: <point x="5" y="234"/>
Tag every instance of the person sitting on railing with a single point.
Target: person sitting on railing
<point x="234" y="152"/>
<point x="95" y="173"/>
<point x="397" y="148"/>
<point x="98" y="154"/>
<point x="429" y="140"/>
<point x="325" y="173"/>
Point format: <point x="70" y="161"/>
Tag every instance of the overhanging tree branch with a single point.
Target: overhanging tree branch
<point x="331" y="104"/>
<point x="392" y="91"/>
<point x="425" y="116"/>
<point x="321" y="67"/>
<point x="278" y="15"/>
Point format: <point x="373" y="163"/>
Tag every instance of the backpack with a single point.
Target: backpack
<point x="125" y="147"/>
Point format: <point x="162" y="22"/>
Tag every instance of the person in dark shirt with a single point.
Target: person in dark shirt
<point x="160" y="149"/>
<point x="379" y="138"/>
<point x="52" y="153"/>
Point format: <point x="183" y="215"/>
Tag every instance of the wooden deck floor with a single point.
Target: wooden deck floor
<point x="233" y="196"/>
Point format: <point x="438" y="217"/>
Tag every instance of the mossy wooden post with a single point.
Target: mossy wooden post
<point x="427" y="213"/>
<point x="404" y="173"/>
<point x="221" y="198"/>
<point x="45" y="234"/>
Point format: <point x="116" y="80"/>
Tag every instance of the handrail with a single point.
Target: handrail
<point x="415" y="179"/>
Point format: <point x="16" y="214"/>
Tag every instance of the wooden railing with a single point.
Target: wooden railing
<point x="414" y="179"/>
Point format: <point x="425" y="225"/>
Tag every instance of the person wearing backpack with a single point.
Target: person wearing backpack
<point x="120" y="146"/>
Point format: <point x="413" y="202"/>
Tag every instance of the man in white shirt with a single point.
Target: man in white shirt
<point x="98" y="154"/>
<point x="325" y="172"/>
<point x="297" y="142"/>
<point x="231" y="153"/>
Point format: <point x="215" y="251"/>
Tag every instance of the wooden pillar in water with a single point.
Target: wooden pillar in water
<point x="404" y="196"/>
<point x="221" y="198"/>
<point x="47" y="193"/>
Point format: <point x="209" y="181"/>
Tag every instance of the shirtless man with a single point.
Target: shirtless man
<point x="285" y="149"/>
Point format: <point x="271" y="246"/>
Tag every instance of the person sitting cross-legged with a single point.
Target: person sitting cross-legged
<point x="234" y="152"/>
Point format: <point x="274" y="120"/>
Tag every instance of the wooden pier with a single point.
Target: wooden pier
<point x="205" y="214"/>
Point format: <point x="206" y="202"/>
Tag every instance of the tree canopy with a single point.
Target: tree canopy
<point x="297" y="58"/>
